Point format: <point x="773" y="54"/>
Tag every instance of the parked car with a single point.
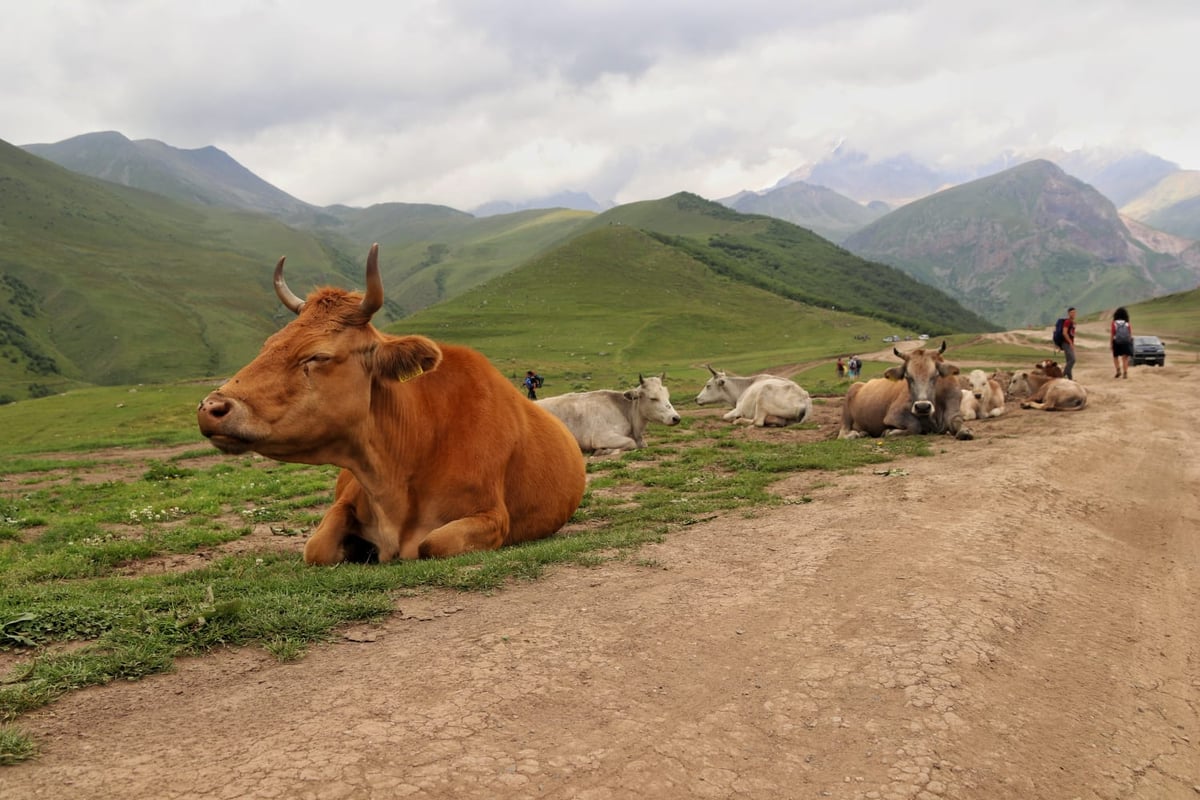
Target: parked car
<point x="1149" y="350"/>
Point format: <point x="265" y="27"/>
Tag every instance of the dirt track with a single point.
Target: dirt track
<point x="1018" y="617"/>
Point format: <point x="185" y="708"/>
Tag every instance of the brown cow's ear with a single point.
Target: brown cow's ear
<point x="895" y="373"/>
<point x="945" y="369"/>
<point x="405" y="357"/>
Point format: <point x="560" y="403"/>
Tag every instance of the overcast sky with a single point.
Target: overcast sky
<point x="462" y="102"/>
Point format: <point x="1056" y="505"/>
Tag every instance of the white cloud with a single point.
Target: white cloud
<point x="465" y="101"/>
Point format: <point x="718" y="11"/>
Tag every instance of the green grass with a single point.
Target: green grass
<point x="78" y="557"/>
<point x="108" y="416"/>
<point x="15" y="746"/>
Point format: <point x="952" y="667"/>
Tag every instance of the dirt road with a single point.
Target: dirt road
<point x="1018" y="617"/>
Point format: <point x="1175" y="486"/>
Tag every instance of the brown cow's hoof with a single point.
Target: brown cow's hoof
<point x="964" y="435"/>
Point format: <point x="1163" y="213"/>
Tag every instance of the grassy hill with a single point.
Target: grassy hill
<point x="793" y="262"/>
<point x="433" y="253"/>
<point x="617" y="301"/>
<point x="104" y="284"/>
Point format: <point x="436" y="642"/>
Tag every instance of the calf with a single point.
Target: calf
<point x="969" y="405"/>
<point x="606" y="422"/>
<point x="987" y="393"/>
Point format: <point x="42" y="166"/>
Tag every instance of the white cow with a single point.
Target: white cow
<point x="606" y="422"/>
<point x="758" y="399"/>
<point x="988" y="393"/>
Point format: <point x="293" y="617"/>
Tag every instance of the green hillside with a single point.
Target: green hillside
<point x="104" y="284"/>
<point x="433" y="253"/>
<point x="793" y="262"/>
<point x="617" y="301"/>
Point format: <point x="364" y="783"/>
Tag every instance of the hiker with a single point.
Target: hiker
<point x="532" y="383"/>
<point x="841" y="367"/>
<point x="1120" y="337"/>
<point x="1064" y="339"/>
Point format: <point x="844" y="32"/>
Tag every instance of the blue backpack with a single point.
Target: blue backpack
<point x="1059" y="339"/>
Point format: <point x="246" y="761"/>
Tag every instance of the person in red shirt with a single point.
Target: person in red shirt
<point x="1069" y="343"/>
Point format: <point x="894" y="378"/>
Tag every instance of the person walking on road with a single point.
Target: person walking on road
<point x="1068" y="345"/>
<point x="1120" y="337"/>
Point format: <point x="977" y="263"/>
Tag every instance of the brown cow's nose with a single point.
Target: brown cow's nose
<point x="214" y="406"/>
<point x="922" y="408"/>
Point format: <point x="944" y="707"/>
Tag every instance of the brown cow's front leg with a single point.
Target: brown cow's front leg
<point x="486" y="531"/>
<point x="327" y="544"/>
<point x="352" y="530"/>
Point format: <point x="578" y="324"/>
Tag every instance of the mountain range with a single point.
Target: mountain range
<point x="1012" y="242"/>
<point x="103" y="283"/>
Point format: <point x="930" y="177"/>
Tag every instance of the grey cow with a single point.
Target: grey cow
<point x="607" y="422"/>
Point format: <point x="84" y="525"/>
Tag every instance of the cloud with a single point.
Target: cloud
<point x="465" y="101"/>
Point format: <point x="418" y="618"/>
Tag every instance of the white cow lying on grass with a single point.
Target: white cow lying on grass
<point x="761" y="400"/>
<point x="606" y="422"/>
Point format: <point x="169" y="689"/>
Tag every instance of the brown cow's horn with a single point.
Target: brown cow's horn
<point x="373" y="300"/>
<point x="942" y="349"/>
<point x="289" y="300"/>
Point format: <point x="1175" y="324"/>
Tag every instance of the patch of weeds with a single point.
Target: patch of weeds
<point x="166" y="471"/>
<point x="15" y="746"/>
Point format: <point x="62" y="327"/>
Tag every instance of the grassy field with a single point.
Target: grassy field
<point x="85" y="539"/>
<point x="125" y="542"/>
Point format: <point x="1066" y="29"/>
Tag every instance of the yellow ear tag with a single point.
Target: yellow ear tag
<point x="411" y="375"/>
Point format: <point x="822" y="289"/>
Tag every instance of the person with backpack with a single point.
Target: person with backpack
<point x="1064" y="339"/>
<point x="1120" y="336"/>
<point x="532" y="383"/>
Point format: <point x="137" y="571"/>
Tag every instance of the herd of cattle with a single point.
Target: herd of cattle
<point x="442" y="455"/>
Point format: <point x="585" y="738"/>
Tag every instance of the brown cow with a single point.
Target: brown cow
<point x="440" y="454"/>
<point x="919" y="396"/>
<point x="1051" y="368"/>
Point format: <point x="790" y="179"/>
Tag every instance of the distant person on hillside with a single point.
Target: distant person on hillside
<point x="841" y="367"/>
<point x="1068" y="345"/>
<point x="532" y="383"/>
<point x="1120" y="336"/>
<point x="855" y="366"/>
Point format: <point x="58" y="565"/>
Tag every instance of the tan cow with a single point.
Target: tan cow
<point x="1056" y="394"/>
<point x="761" y="400"/>
<point x="440" y="454"/>
<point x="988" y="394"/>
<point x="605" y="422"/>
<point x="1026" y="382"/>
<point x="919" y="396"/>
